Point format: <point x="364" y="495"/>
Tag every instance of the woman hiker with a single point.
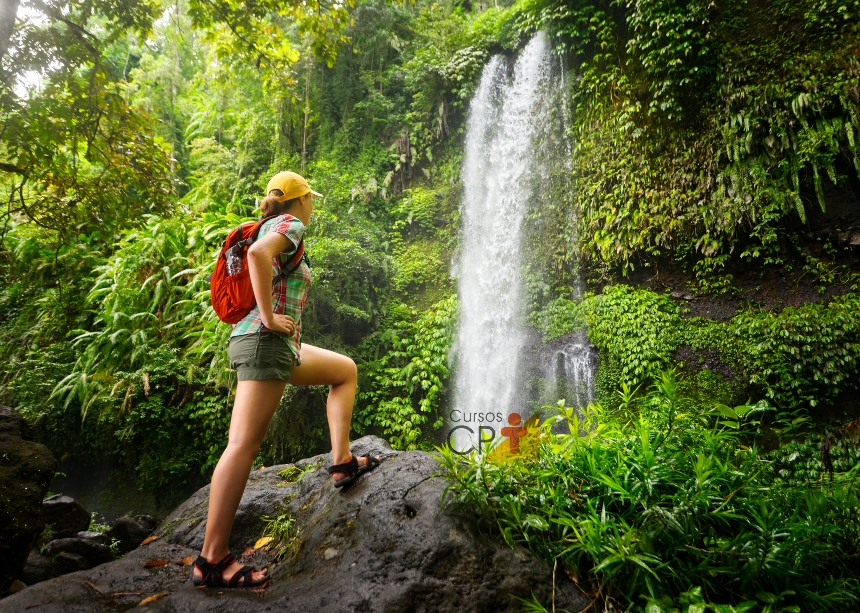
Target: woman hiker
<point x="266" y="350"/>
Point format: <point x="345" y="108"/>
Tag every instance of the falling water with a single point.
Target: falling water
<point x="568" y="369"/>
<point x="510" y="125"/>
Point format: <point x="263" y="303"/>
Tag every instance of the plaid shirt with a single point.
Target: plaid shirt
<point x="288" y="295"/>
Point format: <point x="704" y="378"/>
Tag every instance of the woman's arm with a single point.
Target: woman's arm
<point x="260" y="256"/>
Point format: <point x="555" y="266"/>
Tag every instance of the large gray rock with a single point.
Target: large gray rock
<point x="131" y="531"/>
<point x="96" y="537"/>
<point x="65" y="515"/>
<point x="38" y="568"/>
<point x="94" y="553"/>
<point x="385" y="544"/>
<point x="26" y="470"/>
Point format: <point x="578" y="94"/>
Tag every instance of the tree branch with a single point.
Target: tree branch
<point x="27" y="212"/>
<point x="12" y="168"/>
<point x="80" y="33"/>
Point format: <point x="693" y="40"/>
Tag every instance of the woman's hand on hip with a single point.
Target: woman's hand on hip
<point x="281" y="323"/>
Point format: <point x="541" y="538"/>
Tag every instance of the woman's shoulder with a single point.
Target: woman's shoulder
<point x="285" y="223"/>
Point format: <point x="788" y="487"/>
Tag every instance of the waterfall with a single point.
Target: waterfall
<point x="568" y="371"/>
<point x="509" y="152"/>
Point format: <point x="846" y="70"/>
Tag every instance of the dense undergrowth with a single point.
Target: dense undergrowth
<point x="701" y="132"/>
<point x="662" y="507"/>
<point x="797" y="357"/>
<point x="706" y="128"/>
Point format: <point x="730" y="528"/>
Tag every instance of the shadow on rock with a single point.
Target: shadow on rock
<point x="384" y="544"/>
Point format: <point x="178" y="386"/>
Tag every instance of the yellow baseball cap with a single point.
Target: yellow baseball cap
<point x="292" y="184"/>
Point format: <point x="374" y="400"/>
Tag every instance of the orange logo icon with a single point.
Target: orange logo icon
<point x="523" y="440"/>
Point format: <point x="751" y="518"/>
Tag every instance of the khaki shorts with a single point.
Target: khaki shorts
<point x="261" y="356"/>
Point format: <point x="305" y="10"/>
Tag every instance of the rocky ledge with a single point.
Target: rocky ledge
<point x="384" y="544"/>
<point x="26" y="469"/>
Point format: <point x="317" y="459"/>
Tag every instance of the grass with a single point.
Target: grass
<point x="284" y="533"/>
<point x="294" y="474"/>
<point x="667" y="507"/>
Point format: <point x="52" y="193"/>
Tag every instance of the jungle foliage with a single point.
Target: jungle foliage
<point x="134" y="135"/>
<point x="663" y="508"/>
<point x="797" y="357"/>
<point x="706" y="128"/>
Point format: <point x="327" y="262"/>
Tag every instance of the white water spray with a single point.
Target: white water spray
<point x="504" y="170"/>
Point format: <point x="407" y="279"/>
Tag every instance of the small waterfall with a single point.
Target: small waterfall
<point x="510" y="126"/>
<point x="568" y="371"/>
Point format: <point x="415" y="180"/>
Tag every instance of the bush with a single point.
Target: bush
<point x="664" y="507"/>
<point x="798" y="357"/>
<point x="164" y="425"/>
<point x="404" y="388"/>
<point x="801" y="356"/>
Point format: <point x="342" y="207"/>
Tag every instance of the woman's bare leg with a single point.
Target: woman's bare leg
<point x="324" y="367"/>
<point x="255" y="404"/>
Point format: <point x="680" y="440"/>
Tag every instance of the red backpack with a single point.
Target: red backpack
<point x="230" y="285"/>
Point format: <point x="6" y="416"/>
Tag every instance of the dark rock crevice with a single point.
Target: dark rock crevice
<point x="26" y="470"/>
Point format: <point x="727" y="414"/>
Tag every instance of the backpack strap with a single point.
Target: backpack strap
<point x="246" y="242"/>
<point x="294" y="263"/>
<point x="282" y="274"/>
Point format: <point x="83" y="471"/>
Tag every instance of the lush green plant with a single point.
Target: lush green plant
<point x="171" y="427"/>
<point x="802" y="355"/>
<point x="799" y="357"/>
<point x="102" y="529"/>
<point x="704" y="125"/>
<point x="44" y="282"/>
<point x="294" y="474"/>
<point x="151" y="293"/>
<point x="283" y="532"/>
<point x="404" y="388"/>
<point x="668" y="507"/>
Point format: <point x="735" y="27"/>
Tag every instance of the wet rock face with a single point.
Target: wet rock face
<point x="38" y="568"/>
<point x="26" y="470"/>
<point x="131" y="531"/>
<point x="94" y="553"/>
<point x="65" y="515"/>
<point x="384" y="544"/>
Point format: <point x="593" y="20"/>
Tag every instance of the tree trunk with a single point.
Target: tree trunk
<point x="8" y="11"/>
<point x="307" y="115"/>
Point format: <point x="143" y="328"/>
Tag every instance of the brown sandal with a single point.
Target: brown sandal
<point x="213" y="574"/>
<point x="353" y="470"/>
